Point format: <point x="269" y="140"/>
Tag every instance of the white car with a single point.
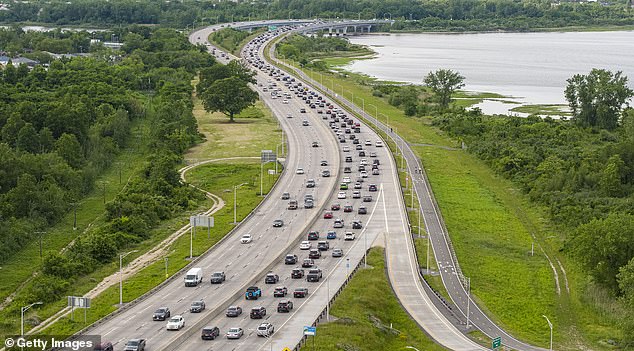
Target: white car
<point x="348" y="236"/>
<point x="363" y="162"/>
<point x="266" y="329"/>
<point x="289" y="116"/>
<point x="299" y="171"/>
<point x="379" y="143"/>
<point x="285" y="101"/>
<point x="176" y="323"/>
<point x="346" y="148"/>
<point x="341" y="195"/>
<point x="305" y="245"/>
<point x="246" y="238"/>
<point x="368" y="143"/>
<point x="372" y="154"/>
<point x="364" y="174"/>
<point x="234" y="333"/>
<point x="346" y="180"/>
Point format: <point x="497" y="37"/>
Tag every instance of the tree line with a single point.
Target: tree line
<point x="454" y="15"/>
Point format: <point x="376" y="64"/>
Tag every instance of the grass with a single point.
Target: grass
<point x="544" y="110"/>
<point x="491" y="223"/>
<point x="369" y="317"/>
<point x="217" y="178"/>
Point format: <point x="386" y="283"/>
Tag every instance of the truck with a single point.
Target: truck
<point x="194" y="277"/>
<point x="314" y="275"/>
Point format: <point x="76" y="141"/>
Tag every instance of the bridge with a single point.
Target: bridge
<point x="336" y="28"/>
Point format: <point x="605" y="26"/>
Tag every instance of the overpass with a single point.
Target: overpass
<point x="336" y="28"/>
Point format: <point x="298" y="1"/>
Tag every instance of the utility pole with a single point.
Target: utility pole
<point x="40" y="239"/>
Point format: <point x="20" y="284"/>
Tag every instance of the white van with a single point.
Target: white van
<point x="194" y="277"/>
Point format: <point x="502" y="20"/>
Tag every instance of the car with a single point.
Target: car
<point x="341" y="194"/>
<point x="297" y="273"/>
<point x="327" y="215"/>
<point x="280" y="291"/>
<point x="347" y="208"/>
<point x="286" y="196"/>
<point x="292" y="205"/>
<point x="308" y="262"/>
<point x="257" y="313"/>
<point x="310" y="183"/>
<point x="315" y="144"/>
<point x="278" y="223"/>
<point x="233" y="311"/>
<point x="378" y="143"/>
<point x="358" y="146"/>
<point x="314" y="275"/>
<point x="356" y="224"/>
<point x="176" y="323"/>
<point x="375" y="171"/>
<point x="324" y="163"/>
<point x="357" y="185"/>
<point x="337" y="252"/>
<point x="253" y="293"/>
<point x="314" y="253"/>
<point x="309" y="204"/>
<point x="235" y="333"/>
<point x="323" y="246"/>
<point x="348" y="159"/>
<point x="197" y="306"/>
<point x="302" y="110"/>
<point x="285" y="101"/>
<point x="104" y="346"/>
<point x="346" y="148"/>
<point x="363" y="174"/>
<point x="361" y="153"/>
<point x="135" y="345"/>
<point x="335" y="207"/>
<point x="284" y="306"/>
<point x="161" y="314"/>
<point x="300" y="292"/>
<point x="271" y="278"/>
<point x="347" y="170"/>
<point x="343" y="186"/>
<point x="338" y="223"/>
<point x="246" y="238"/>
<point x="346" y="180"/>
<point x="372" y="187"/>
<point x="367" y="198"/>
<point x="331" y="235"/>
<point x="290" y="259"/>
<point x="348" y="236"/>
<point x="305" y="123"/>
<point x="368" y="142"/>
<point x="325" y="173"/>
<point x="265" y="329"/>
<point x="313" y="235"/>
<point x="305" y="245"/>
<point x="210" y="333"/>
<point x="299" y="170"/>
<point x="372" y="154"/>
<point x="362" y="210"/>
<point x="289" y="115"/>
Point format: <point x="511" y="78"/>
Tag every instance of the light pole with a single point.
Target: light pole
<point x="235" y="202"/>
<point x="166" y="260"/>
<point x="363" y="103"/>
<point x="347" y="267"/>
<point x="328" y="299"/>
<point x="468" y="299"/>
<point x="551" y="332"/>
<point x="376" y="112"/>
<point x="387" y="121"/>
<point x="121" y="275"/>
<point x="22" y="310"/>
<point x="365" y="250"/>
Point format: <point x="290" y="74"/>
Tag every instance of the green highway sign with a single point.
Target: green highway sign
<point x="497" y="342"/>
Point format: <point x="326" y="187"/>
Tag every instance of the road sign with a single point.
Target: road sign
<point x="310" y="330"/>
<point x="201" y="221"/>
<point x="497" y="342"/>
<point x="79" y="302"/>
<point x="287" y="349"/>
<point x="268" y="156"/>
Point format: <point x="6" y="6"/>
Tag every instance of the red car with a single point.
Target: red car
<point x="347" y="208"/>
<point x="335" y="207"/>
<point x="327" y="215"/>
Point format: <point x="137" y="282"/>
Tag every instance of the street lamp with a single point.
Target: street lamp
<point x="347" y="267"/>
<point x="121" y="275"/>
<point x="387" y="121"/>
<point x="551" y="332"/>
<point x="22" y="310"/>
<point x="235" y="202"/>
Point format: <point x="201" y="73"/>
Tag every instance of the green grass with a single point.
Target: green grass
<point x="217" y="178"/>
<point x="546" y="110"/>
<point x="90" y="210"/>
<point x="364" y="312"/>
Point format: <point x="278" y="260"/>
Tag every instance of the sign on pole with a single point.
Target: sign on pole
<point x="497" y="342"/>
<point x="201" y="221"/>
<point x="271" y="172"/>
<point x="310" y="330"/>
<point x="79" y="302"/>
<point x="286" y="349"/>
<point x="268" y="156"/>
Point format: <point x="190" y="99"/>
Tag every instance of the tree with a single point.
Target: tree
<point x="443" y="83"/>
<point x="70" y="150"/>
<point x="28" y="139"/>
<point x="229" y="96"/>
<point x="626" y="284"/>
<point x="597" y="99"/>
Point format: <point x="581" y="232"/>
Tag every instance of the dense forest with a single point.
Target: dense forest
<point x="453" y="15"/>
<point x="62" y="126"/>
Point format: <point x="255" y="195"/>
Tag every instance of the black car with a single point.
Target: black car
<point x="372" y="187"/>
<point x="161" y="314"/>
<point x="217" y="277"/>
<point x="197" y="306"/>
<point x="297" y="273"/>
<point x="284" y="306"/>
<point x="210" y="333"/>
<point x="271" y="278"/>
<point x="257" y="313"/>
<point x="314" y="254"/>
<point x="233" y="311"/>
<point x="290" y="259"/>
<point x="356" y="225"/>
<point x="367" y="198"/>
<point x="313" y="235"/>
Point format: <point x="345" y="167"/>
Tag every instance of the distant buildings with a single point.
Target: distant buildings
<point x="17" y="61"/>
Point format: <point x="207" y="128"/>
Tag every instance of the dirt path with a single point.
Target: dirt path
<point x="154" y="254"/>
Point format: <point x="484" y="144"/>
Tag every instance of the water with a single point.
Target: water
<point x="532" y="68"/>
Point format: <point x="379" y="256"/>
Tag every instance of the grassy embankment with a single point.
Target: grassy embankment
<point x="255" y="126"/>
<point x="369" y="316"/>
<point x="233" y="40"/>
<point x="492" y="225"/>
